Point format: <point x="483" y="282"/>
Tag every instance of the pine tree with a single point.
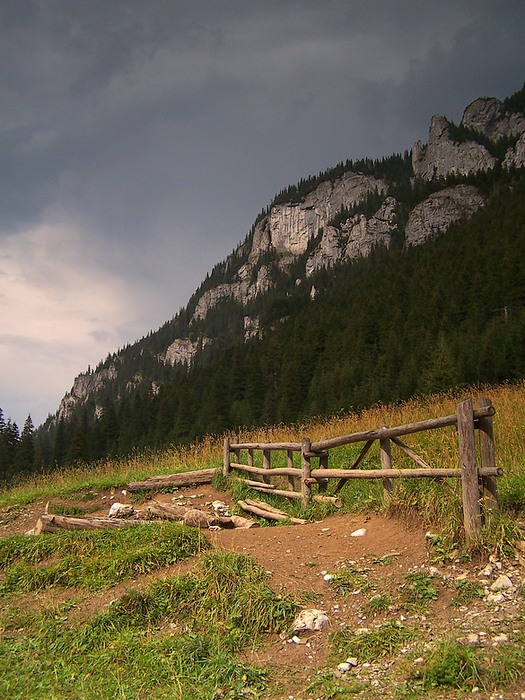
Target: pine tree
<point x="25" y="451"/>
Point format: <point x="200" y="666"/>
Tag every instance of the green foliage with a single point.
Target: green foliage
<point x="93" y="560"/>
<point x="418" y="591"/>
<point x="466" y="592"/>
<point x="177" y="638"/>
<point x="350" y="579"/>
<point x="370" y="644"/>
<point x="453" y="665"/>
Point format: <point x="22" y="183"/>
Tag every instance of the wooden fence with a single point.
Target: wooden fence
<point x="477" y="472"/>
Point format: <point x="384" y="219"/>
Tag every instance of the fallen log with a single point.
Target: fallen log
<point x="202" y="476"/>
<point x="196" y="518"/>
<point x="269" y="513"/>
<point x="52" y="523"/>
<point x="269" y="488"/>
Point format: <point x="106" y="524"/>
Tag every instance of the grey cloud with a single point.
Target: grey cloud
<point x="157" y="131"/>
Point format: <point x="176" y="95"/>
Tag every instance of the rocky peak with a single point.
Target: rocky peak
<point x="442" y="156"/>
<point x="487" y="116"/>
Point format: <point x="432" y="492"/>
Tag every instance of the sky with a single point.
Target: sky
<point x="139" y="141"/>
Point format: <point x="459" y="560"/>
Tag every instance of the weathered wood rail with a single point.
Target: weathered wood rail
<point x="477" y="472"/>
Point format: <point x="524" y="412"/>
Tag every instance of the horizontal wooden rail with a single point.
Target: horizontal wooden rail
<point x="392" y="473"/>
<point x="272" y="471"/>
<point x="386" y="433"/>
<point x="295" y="446"/>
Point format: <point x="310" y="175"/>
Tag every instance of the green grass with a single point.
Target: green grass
<point x="372" y="644"/>
<point x="181" y="636"/>
<point x="176" y="639"/>
<point x="418" y="592"/>
<point x="93" y="560"/>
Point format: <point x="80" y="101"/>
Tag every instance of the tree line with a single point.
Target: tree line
<point x="396" y="324"/>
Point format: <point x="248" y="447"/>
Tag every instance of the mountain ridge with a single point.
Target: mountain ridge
<point x="348" y="213"/>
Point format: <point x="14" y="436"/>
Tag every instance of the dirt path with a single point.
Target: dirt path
<point x="305" y="560"/>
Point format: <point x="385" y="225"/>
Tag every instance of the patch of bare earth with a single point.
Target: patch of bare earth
<point x="302" y="559"/>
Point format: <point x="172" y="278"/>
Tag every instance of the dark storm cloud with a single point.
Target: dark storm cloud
<point x="138" y="141"/>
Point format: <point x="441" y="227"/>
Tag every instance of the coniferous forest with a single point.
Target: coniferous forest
<point x="401" y="322"/>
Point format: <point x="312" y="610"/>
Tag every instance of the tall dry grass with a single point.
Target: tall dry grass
<point x="438" y="504"/>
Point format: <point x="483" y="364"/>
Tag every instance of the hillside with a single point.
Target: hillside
<point x="158" y="611"/>
<point x="372" y="281"/>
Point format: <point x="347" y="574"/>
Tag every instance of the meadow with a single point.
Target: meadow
<point x="182" y="635"/>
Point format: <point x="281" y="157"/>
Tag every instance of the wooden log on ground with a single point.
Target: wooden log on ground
<point x="295" y="495"/>
<point x="269" y="514"/>
<point x="202" y="476"/>
<point x="262" y="504"/>
<point x="165" y="511"/>
<point x="53" y="523"/>
<point x="257" y="484"/>
<point x="193" y="517"/>
<point x="269" y="488"/>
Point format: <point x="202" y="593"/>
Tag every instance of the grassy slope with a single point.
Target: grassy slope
<point x="178" y="638"/>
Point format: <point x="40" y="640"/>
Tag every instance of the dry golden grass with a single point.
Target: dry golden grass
<point x="436" y="504"/>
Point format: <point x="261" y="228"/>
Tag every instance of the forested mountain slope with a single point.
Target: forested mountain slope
<point x="369" y="282"/>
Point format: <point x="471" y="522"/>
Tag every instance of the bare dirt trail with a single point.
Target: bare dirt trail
<point x="301" y="559"/>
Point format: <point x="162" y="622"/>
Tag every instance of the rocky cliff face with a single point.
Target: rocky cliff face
<point x="437" y="212"/>
<point x="182" y="351"/>
<point x="443" y="155"/>
<point x="316" y="232"/>
<point x="83" y="387"/>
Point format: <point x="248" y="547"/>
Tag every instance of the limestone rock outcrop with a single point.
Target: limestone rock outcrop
<point x="487" y="116"/>
<point x="442" y="156"/>
<point x="84" y="386"/>
<point x="287" y="231"/>
<point x="439" y="210"/>
<point x="182" y="351"/>
<point x="356" y="238"/>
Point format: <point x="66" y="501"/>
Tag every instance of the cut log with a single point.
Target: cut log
<point x="196" y="518"/>
<point x="202" y="476"/>
<point x="263" y="512"/>
<point x="164" y="511"/>
<point x="52" y="523"/>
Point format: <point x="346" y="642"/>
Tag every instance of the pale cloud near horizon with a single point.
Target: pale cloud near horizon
<point x="139" y="141"/>
<point x="58" y="308"/>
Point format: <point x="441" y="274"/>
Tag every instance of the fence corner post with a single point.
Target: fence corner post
<point x="306" y="471"/>
<point x="469" y="472"/>
<point x="226" y="457"/>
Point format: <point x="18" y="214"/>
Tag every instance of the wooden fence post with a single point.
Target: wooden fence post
<point x="488" y="459"/>
<point x="323" y="464"/>
<point x="469" y="472"/>
<point x="226" y="457"/>
<point x="289" y="462"/>
<point x="266" y="462"/>
<point x="306" y="471"/>
<point x="386" y="463"/>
